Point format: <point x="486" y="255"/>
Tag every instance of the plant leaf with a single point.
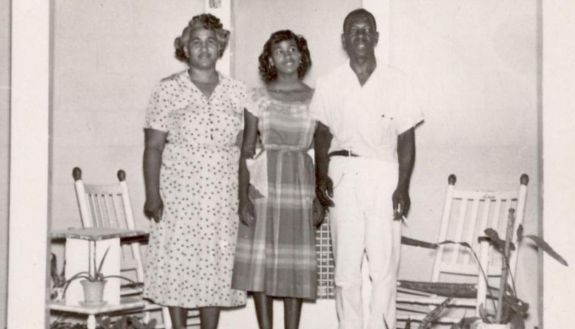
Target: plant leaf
<point x="465" y="244"/>
<point x="465" y="323"/>
<point x="496" y="241"/>
<point x="119" y="277"/>
<point x="519" y="233"/>
<point x="78" y="275"/>
<point x="99" y="270"/>
<point x="83" y="274"/>
<point x="417" y="243"/>
<point x="432" y="316"/>
<point x="483" y="274"/>
<point x="513" y="305"/>
<point x="547" y="248"/>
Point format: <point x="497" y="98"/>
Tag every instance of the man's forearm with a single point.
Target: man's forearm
<point x="406" y="158"/>
<point x="322" y="142"/>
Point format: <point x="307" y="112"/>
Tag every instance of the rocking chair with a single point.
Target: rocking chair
<point x="461" y="255"/>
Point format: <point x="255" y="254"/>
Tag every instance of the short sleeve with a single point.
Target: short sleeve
<point x="240" y="95"/>
<point x="254" y="102"/>
<point x="317" y="106"/>
<point x="161" y="103"/>
<point x="409" y="113"/>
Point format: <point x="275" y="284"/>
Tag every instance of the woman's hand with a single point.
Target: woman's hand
<point x="246" y="211"/>
<point x="154" y="208"/>
<point x="318" y="213"/>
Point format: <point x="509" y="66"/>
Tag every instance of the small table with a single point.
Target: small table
<point x="84" y="248"/>
<point x="91" y="312"/>
<point x="97" y="233"/>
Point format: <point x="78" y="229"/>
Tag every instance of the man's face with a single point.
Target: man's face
<point x="359" y="37"/>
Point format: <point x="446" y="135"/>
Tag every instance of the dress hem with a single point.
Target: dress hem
<point x="198" y="305"/>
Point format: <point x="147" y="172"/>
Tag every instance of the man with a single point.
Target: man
<point x="365" y="150"/>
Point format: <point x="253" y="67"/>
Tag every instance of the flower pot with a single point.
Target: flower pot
<point x="93" y="292"/>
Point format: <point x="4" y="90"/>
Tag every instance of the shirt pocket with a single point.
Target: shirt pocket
<point x="387" y="124"/>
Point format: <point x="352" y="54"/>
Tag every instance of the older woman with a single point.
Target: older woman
<point x="190" y="169"/>
<point x="276" y="244"/>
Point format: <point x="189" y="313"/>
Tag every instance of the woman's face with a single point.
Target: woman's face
<point x="202" y="49"/>
<point x="286" y="57"/>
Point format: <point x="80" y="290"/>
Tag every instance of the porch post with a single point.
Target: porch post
<point x="558" y="144"/>
<point x="29" y="161"/>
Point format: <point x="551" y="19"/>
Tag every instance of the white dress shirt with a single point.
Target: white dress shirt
<point x="366" y="120"/>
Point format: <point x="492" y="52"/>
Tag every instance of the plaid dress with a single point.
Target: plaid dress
<point x="276" y="255"/>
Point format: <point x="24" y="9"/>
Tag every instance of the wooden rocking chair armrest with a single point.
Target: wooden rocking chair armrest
<point x="402" y="289"/>
<point x="143" y="237"/>
<point x="446" y="289"/>
<point x="131" y="289"/>
<point x="135" y="285"/>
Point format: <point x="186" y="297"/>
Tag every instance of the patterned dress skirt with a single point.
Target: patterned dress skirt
<point x="276" y="255"/>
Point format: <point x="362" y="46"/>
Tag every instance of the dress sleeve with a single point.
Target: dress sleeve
<point x="240" y="95"/>
<point x="254" y="102"/>
<point x="159" y="107"/>
<point x="409" y="113"/>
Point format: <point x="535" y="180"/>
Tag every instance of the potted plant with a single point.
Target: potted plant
<point x="510" y="311"/>
<point x="94" y="282"/>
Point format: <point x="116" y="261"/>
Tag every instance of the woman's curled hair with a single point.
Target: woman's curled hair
<point x="205" y="21"/>
<point x="268" y="72"/>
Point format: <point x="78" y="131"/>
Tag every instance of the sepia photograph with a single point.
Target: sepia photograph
<point x="357" y="164"/>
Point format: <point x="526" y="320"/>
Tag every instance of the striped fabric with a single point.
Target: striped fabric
<point x="277" y="255"/>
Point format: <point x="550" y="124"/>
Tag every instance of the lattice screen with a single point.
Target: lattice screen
<point x="325" y="262"/>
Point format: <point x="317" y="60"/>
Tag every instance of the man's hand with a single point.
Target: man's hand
<point x="246" y="211"/>
<point x="406" y="157"/>
<point x="318" y="213"/>
<point x="324" y="191"/>
<point x="323" y="185"/>
<point x="401" y="204"/>
<point x="154" y="208"/>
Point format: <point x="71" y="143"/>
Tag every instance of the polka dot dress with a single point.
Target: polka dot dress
<point x="191" y="250"/>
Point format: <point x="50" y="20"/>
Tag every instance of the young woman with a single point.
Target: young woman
<point x="190" y="170"/>
<point x="275" y="255"/>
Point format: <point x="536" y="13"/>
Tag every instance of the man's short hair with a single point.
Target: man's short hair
<point x="359" y="11"/>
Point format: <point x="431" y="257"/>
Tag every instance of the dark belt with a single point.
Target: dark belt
<point x="342" y="153"/>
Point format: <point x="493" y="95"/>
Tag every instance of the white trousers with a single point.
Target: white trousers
<point x="362" y="222"/>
